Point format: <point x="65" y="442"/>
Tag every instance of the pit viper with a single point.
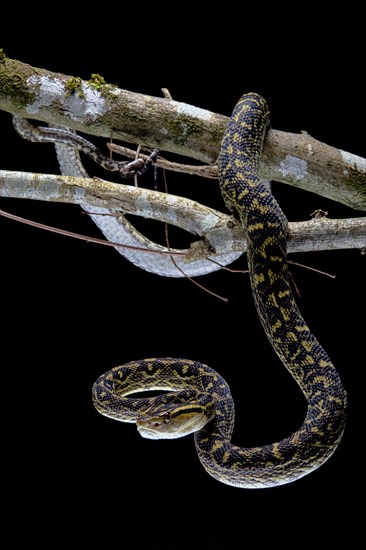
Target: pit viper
<point x="201" y="401"/>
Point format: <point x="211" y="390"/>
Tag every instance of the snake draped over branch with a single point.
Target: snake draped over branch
<point x="200" y="401"/>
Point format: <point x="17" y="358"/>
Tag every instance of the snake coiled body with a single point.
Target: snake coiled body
<point x="266" y="228"/>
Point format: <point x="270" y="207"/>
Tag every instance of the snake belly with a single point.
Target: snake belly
<point x="266" y="229"/>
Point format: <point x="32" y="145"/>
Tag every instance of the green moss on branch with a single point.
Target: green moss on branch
<point x="14" y="81"/>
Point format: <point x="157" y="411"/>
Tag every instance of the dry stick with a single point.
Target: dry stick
<point x="175" y="263"/>
<point x="193" y="280"/>
<point x="226" y="268"/>
<point x="167" y="95"/>
<point x="84" y="237"/>
<point x="312" y="269"/>
<point x="137" y="154"/>
<point x="203" y="170"/>
<point x="292" y="279"/>
<point x="104" y="242"/>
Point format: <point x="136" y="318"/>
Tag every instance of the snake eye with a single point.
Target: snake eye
<point x="167" y="417"/>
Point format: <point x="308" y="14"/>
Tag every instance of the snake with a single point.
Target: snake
<point x="113" y="224"/>
<point x="197" y="399"/>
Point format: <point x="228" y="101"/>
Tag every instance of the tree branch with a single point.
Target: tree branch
<point x="220" y="234"/>
<point x="97" y="108"/>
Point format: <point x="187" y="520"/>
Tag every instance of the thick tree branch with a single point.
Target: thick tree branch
<point x="96" y="108"/>
<point x="220" y="234"/>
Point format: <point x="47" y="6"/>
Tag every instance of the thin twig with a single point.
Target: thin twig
<point x="312" y="269"/>
<point x="167" y="94"/>
<point x="226" y="268"/>
<point x="175" y="263"/>
<point x="205" y="171"/>
<point x="85" y="237"/>
<point x="137" y="154"/>
<point x="292" y="279"/>
<point x="198" y="284"/>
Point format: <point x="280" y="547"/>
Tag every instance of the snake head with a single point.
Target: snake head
<point x="170" y="421"/>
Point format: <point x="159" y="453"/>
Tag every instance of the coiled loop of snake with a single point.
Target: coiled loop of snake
<point x="266" y="228"/>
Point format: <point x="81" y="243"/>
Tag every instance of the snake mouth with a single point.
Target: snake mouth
<point x="170" y="425"/>
<point x="151" y="429"/>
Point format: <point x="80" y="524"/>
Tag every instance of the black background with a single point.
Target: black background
<point x="73" y="310"/>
